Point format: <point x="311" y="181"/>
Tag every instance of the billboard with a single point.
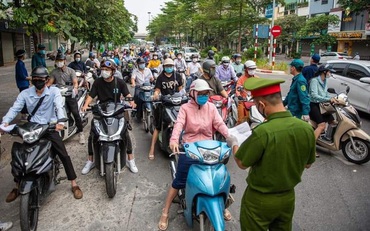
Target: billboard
<point x="335" y="27"/>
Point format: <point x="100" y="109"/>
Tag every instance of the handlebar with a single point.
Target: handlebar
<point x="175" y="153"/>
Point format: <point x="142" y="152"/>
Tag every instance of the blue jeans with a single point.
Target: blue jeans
<point x="183" y="167"/>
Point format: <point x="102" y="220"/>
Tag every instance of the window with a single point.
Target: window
<point x="323" y="2"/>
<point x="356" y="72"/>
<point x="338" y="67"/>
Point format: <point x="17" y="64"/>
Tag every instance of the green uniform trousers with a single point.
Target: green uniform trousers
<point x="267" y="211"/>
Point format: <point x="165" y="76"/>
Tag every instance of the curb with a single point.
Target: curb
<point x="271" y="71"/>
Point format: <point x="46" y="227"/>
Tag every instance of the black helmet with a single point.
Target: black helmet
<point x="60" y="56"/>
<point x="20" y="53"/>
<point x="140" y="60"/>
<point x="207" y="65"/>
<point x="194" y="56"/>
<point x="40" y="71"/>
<point x="325" y="68"/>
<point x="76" y="53"/>
<point x="166" y="56"/>
<point x="211" y="53"/>
<point x="237" y="56"/>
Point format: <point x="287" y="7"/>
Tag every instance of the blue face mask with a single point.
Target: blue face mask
<point x="42" y="52"/>
<point x="142" y="66"/>
<point x="202" y="99"/>
<point x="168" y="69"/>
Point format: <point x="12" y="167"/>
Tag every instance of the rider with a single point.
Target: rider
<point x="140" y="76"/>
<point x="180" y="63"/>
<point x="50" y="110"/>
<point x="168" y="82"/>
<point x="225" y="72"/>
<point x="63" y="75"/>
<point x="91" y="61"/>
<point x="77" y="64"/>
<point x="194" y="70"/>
<point x="107" y="89"/>
<point x="154" y="62"/>
<point x="237" y="65"/>
<point x="127" y="57"/>
<point x="198" y="119"/>
<point x="210" y="55"/>
<point x="250" y="70"/>
<point x="209" y="76"/>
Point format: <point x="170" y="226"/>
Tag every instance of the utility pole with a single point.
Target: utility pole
<point x="271" y="36"/>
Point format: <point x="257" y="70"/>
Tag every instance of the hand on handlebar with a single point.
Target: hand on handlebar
<point x="59" y="127"/>
<point x="132" y="104"/>
<point x="333" y="100"/>
<point x="174" y="147"/>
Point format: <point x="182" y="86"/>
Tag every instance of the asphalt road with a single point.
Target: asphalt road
<point x="333" y="194"/>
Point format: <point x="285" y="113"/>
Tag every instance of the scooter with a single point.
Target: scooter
<point x="346" y="134"/>
<point x="251" y="113"/>
<point x="110" y="151"/>
<point x="127" y="69"/>
<point x="85" y="80"/>
<point x="145" y="95"/>
<point x="207" y="186"/>
<point x="67" y="91"/>
<point x="36" y="168"/>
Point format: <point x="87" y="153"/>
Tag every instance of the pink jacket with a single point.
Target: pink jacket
<point x="198" y="123"/>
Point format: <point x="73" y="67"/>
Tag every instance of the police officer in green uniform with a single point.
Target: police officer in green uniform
<point x="277" y="152"/>
<point x="297" y="100"/>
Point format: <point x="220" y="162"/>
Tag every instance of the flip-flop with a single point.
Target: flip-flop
<point x="163" y="225"/>
<point x="151" y="157"/>
<point x="227" y="215"/>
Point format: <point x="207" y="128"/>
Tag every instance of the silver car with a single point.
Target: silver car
<point x="188" y="52"/>
<point x="334" y="56"/>
<point x="356" y="75"/>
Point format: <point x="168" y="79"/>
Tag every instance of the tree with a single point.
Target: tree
<point x="355" y="5"/>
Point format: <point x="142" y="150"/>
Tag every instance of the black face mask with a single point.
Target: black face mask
<point x="39" y="84"/>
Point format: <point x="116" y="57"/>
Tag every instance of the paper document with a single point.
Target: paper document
<point x="8" y="128"/>
<point x="241" y="132"/>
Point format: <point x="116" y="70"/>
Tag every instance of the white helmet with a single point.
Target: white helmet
<point x="250" y="64"/>
<point x="200" y="85"/>
<point x="225" y="59"/>
<point x="168" y="61"/>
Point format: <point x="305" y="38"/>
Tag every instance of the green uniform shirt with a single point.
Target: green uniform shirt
<point x="297" y="99"/>
<point x="277" y="152"/>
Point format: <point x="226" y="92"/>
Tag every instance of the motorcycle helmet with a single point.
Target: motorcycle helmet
<point x="325" y="68"/>
<point x="211" y="53"/>
<point x="109" y="63"/>
<point x="166" y="56"/>
<point x="194" y="56"/>
<point x="140" y="60"/>
<point x="199" y="85"/>
<point x="207" y="65"/>
<point x="77" y="53"/>
<point x="250" y="64"/>
<point x="235" y="56"/>
<point x="40" y="71"/>
<point x="225" y="59"/>
<point x="60" y="56"/>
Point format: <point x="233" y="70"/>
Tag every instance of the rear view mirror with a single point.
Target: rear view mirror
<point x="365" y="80"/>
<point x="331" y="90"/>
<point x="347" y="89"/>
<point x="63" y="120"/>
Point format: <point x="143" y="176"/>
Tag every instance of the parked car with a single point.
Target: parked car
<point x="188" y="52"/>
<point x="356" y="75"/>
<point x="334" y="56"/>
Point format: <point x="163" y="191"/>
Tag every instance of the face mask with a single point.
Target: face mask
<point x="225" y="65"/>
<point x="237" y="61"/>
<point x="202" y="99"/>
<point x="106" y="74"/>
<point x="78" y="59"/>
<point x="251" y="72"/>
<point x="60" y="64"/>
<point x="195" y="60"/>
<point x="39" y="84"/>
<point x="179" y="57"/>
<point x="42" y="52"/>
<point x="212" y="73"/>
<point x="155" y="57"/>
<point x="262" y="112"/>
<point x="168" y="69"/>
<point x="142" y="66"/>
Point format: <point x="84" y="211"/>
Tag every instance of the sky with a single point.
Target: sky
<point x="141" y="8"/>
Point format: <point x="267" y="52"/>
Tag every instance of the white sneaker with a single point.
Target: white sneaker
<point x="82" y="138"/>
<point x="132" y="166"/>
<point x="88" y="166"/>
<point x="5" y="225"/>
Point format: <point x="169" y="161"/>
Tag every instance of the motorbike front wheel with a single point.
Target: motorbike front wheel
<point x="111" y="179"/>
<point x="145" y="120"/>
<point x="204" y="223"/>
<point x="358" y="154"/>
<point x="29" y="210"/>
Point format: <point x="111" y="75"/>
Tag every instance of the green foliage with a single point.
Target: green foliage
<point x="249" y="54"/>
<point x="290" y="24"/>
<point x="355" y="5"/>
<point x="265" y="65"/>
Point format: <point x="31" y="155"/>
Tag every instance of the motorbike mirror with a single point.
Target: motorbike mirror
<point x="62" y="120"/>
<point x="331" y="90"/>
<point x="347" y="89"/>
<point x="239" y="74"/>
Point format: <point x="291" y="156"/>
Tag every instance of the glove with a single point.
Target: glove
<point x="306" y="118"/>
<point x="232" y="141"/>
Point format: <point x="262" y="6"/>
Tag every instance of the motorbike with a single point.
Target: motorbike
<point x="346" y="133"/>
<point x="67" y="91"/>
<point x="85" y="80"/>
<point x="181" y="72"/>
<point x="155" y="72"/>
<point x="127" y="69"/>
<point x="92" y="74"/>
<point x="145" y="95"/>
<point x="206" y="194"/>
<point x="110" y="149"/>
<point x="171" y="105"/>
<point x="251" y="112"/>
<point x="36" y="167"/>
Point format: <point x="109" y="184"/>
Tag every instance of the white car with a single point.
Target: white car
<point x="188" y="52"/>
<point x="334" y="56"/>
<point x="356" y="75"/>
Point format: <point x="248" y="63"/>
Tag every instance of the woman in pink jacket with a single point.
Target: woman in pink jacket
<point x="199" y="119"/>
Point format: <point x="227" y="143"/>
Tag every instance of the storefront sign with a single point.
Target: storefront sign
<point x="351" y="34"/>
<point x="335" y="27"/>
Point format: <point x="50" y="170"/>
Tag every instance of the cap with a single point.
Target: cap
<point x="20" y="53"/>
<point x="297" y="63"/>
<point x="168" y="62"/>
<point x="263" y="86"/>
<point x="41" y="46"/>
<point x="316" y="58"/>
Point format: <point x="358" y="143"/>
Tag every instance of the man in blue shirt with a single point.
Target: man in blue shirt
<point x="78" y="65"/>
<point x="21" y="76"/>
<point x="297" y="100"/>
<point x="225" y="72"/>
<point x="309" y="71"/>
<point x="50" y="110"/>
<point x="38" y="59"/>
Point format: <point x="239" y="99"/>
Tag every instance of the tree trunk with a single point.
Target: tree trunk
<point x="35" y="41"/>
<point x="73" y="47"/>
<point x="240" y="28"/>
<point x="91" y="47"/>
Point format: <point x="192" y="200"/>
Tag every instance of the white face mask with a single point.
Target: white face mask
<point x="59" y="64"/>
<point x="251" y="72"/>
<point x="106" y="74"/>
<point x="78" y="59"/>
<point x="195" y="60"/>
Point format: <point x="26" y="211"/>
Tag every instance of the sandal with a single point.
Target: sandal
<point x="227" y="215"/>
<point x="163" y="225"/>
<point x="151" y="157"/>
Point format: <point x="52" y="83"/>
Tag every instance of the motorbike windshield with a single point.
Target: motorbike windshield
<point x="111" y="109"/>
<point x="208" y="151"/>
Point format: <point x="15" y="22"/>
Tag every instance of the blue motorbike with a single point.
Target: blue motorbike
<point x="208" y="184"/>
<point x="145" y="95"/>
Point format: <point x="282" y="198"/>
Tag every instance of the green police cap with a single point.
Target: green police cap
<point x="263" y="86"/>
<point x="297" y="63"/>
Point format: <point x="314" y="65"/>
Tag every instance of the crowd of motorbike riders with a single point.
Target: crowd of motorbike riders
<point x="198" y="80"/>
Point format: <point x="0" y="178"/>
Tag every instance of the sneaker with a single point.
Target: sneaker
<point x="132" y="166"/>
<point x="82" y="138"/>
<point x="88" y="166"/>
<point x="12" y="196"/>
<point x="5" y="226"/>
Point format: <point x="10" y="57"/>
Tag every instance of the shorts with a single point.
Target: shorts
<point x="182" y="171"/>
<point x="316" y="115"/>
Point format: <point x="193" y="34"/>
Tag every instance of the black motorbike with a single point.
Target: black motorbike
<point x="171" y="107"/>
<point x="36" y="168"/>
<point x="109" y="151"/>
<point x="127" y="68"/>
<point x="146" y="95"/>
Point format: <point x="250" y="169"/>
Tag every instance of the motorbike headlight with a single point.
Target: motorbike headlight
<point x="193" y="156"/>
<point x="32" y="136"/>
<point x="210" y="156"/>
<point x="225" y="156"/>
